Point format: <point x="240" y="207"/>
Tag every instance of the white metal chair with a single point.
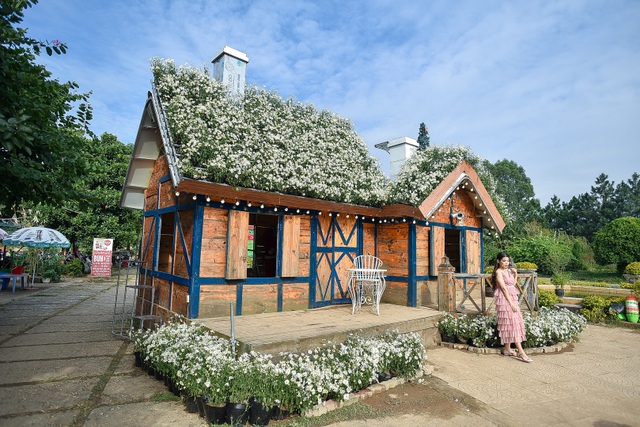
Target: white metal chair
<point x="366" y="283"/>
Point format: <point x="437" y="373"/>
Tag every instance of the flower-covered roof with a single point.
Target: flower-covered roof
<point x="261" y="146"/>
<point x="262" y="141"/>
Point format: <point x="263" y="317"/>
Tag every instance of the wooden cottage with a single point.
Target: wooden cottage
<point x="206" y="245"/>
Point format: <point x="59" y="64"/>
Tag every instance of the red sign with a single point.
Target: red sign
<point x="101" y="257"/>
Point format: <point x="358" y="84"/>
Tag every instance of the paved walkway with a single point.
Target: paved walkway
<point x="595" y="382"/>
<point x="59" y="366"/>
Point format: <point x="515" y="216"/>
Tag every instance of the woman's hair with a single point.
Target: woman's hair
<point x="496" y="266"/>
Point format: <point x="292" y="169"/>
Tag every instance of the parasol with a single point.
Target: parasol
<point x="37" y="237"/>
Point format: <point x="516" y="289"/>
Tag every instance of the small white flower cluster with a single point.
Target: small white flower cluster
<point x="203" y="365"/>
<point x="549" y="327"/>
<point x="421" y="174"/>
<point x="552" y="326"/>
<point x="263" y="141"/>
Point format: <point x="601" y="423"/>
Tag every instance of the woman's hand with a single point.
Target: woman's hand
<point x="514" y="308"/>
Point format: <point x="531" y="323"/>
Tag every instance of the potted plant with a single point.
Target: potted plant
<point x="18" y="261"/>
<point x="632" y="272"/>
<point x="526" y="267"/>
<point x="559" y="280"/>
<point x="448" y="327"/>
<point x="240" y="391"/>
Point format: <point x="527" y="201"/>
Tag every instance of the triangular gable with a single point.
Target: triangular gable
<point x="152" y="140"/>
<point x="485" y="208"/>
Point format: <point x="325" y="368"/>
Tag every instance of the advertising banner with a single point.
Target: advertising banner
<point x="101" y="257"/>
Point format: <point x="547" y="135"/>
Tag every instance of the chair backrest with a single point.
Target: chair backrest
<point x="367" y="261"/>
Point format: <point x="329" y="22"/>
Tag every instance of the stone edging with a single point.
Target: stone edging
<point x="332" y="405"/>
<point x="485" y="350"/>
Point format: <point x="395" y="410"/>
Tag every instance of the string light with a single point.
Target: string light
<point x="262" y="206"/>
<point x="237" y="202"/>
<point x="347" y="215"/>
<point x="249" y="204"/>
<point x="330" y="214"/>
<point x="208" y="199"/>
<point x="307" y="212"/>
<point x="297" y="210"/>
<point x="222" y="201"/>
<point x="275" y="209"/>
<point x="195" y="197"/>
<point x="286" y="209"/>
<point x="404" y="219"/>
<point x="177" y="193"/>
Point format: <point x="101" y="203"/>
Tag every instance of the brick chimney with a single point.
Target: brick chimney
<point x="230" y="68"/>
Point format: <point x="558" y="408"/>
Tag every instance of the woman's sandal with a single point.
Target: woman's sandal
<point x="525" y="359"/>
<point x="509" y="353"/>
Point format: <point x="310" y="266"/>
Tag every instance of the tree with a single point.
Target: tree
<point x="423" y="137"/>
<point x="516" y="190"/>
<point x="627" y="197"/>
<point x="97" y="214"/>
<point x="41" y="132"/>
<point x="618" y="242"/>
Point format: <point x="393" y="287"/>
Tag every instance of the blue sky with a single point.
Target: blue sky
<point x="551" y="85"/>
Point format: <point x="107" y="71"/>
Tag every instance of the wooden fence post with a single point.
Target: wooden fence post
<point x="446" y="287"/>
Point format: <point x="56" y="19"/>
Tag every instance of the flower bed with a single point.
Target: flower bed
<point x="549" y="327"/>
<point x="201" y="364"/>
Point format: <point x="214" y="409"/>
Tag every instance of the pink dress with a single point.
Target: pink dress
<point x="510" y="324"/>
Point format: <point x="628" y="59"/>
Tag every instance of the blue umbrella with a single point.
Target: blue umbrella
<point x="37" y="237"/>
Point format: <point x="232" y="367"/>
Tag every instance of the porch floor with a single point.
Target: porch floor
<point x="297" y="331"/>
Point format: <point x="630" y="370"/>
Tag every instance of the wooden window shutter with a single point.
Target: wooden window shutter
<point x="237" y="238"/>
<point x="290" y="246"/>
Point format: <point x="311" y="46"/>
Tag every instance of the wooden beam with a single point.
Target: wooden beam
<point x="232" y="194"/>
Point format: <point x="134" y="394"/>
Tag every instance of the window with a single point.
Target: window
<point x="253" y="247"/>
<point x="262" y="245"/>
<point x="452" y="247"/>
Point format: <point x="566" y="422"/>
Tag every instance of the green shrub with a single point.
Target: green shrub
<point x="633" y="268"/>
<point x="595" y="308"/>
<point x="550" y="254"/>
<point x="618" y="242"/>
<point x="73" y="268"/>
<point x="559" y="280"/>
<point x="526" y="265"/>
<point x="548" y="299"/>
<point x="488" y="270"/>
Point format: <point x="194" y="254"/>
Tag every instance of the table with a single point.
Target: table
<point x="5" y="277"/>
<point x="366" y="286"/>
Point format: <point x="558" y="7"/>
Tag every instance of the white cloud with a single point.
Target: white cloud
<point x="553" y="86"/>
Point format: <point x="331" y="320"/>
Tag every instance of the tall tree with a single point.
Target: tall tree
<point x="41" y="132"/>
<point x="97" y="214"/>
<point x="626" y="198"/>
<point x="423" y="137"/>
<point x="515" y="188"/>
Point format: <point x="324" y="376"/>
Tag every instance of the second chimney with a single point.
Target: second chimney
<point x="230" y="68"/>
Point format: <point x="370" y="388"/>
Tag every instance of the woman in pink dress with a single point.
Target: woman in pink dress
<point x="510" y="323"/>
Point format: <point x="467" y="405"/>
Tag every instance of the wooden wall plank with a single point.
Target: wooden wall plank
<point x="290" y="246"/>
<point x="237" y="237"/>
